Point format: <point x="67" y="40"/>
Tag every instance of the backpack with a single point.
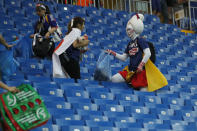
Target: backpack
<point x="152" y="50"/>
<point x="42" y="47"/>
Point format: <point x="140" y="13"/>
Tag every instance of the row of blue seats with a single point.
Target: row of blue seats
<point x="122" y="87"/>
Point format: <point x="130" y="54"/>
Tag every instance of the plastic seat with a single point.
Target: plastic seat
<point x="94" y="88"/>
<point x="12" y="3"/>
<point x="17" y="77"/>
<point x="128" y="125"/>
<point x="9" y="36"/>
<point x="102" y="101"/>
<point x="39" y="78"/>
<point x="150" y="99"/>
<point x="52" y="98"/>
<point x="28" y="4"/>
<point x="75" y="128"/>
<point x="67" y="117"/>
<point x="88" y="112"/>
<point x="137" y="109"/>
<point x="95" y="118"/>
<point x="73" y="86"/>
<point x="17" y="83"/>
<point x="87" y="82"/>
<point x="55" y="111"/>
<point x="116" y="114"/>
<point x="63" y="122"/>
<point x="112" y="108"/>
<point x="63" y="80"/>
<point x="45" y="85"/>
<point x="76" y="93"/>
<point x="99" y="123"/>
<point x="47" y="127"/>
<point x="16" y="11"/>
<point x="50" y="92"/>
<point x="157" y="126"/>
<point x="76" y="100"/>
<point x="101" y="95"/>
<point x="173" y="101"/>
<point x="122" y="119"/>
<point x="188" y="116"/>
<point x="121" y="91"/>
<point x="93" y="12"/>
<point x="58" y="105"/>
<point x="105" y="129"/>
<point x="85" y="106"/>
<point x="115" y="85"/>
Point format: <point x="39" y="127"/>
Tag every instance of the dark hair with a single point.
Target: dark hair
<point x="47" y="9"/>
<point x="76" y="21"/>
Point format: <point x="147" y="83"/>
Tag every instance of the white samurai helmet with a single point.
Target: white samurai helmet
<point x="135" y="26"/>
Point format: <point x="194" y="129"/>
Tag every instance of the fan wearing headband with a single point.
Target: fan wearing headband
<point x="46" y="25"/>
<point x="66" y="56"/>
<point x="137" y="50"/>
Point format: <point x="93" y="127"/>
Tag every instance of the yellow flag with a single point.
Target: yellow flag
<point x="155" y="78"/>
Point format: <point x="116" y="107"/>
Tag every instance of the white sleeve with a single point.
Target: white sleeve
<point x="147" y="55"/>
<point x="122" y="57"/>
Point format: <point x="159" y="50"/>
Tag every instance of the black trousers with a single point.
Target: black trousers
<point x="71" y="66"/>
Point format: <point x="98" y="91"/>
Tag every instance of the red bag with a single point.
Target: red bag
<point x="139" y="80"/>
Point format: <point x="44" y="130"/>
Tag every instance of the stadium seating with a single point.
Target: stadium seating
<point x="88" y="105"/>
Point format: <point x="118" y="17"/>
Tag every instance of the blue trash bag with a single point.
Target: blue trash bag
<point x="8" y="64"/>
<point x="24" y="47"/>
<point x="103" y="68"/>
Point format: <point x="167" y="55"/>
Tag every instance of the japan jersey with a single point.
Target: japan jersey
<point x="135" y="51"/>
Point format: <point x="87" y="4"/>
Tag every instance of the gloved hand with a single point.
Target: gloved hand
<point x="111" y="52"/>
<point x="140" y="67"/>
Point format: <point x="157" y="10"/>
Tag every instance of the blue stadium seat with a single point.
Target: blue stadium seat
<point x="63" y="80"/>
<point x="47" y="127"/>
<point x="85" y="106"/>
<point x="137" y="109"/>
<point x="28" y="4"/>
<point x="157" y="126"/>
<point x="78" y="99"/>
<point x="116" y="114"/>
<point x="95" y="118"/>
<point x="52" y="98"/>
<point x="12" y="3"/>
<point x="45" y="85"/>
<point x="70" y="85"/>
<point x="128" y="125"/>
<point x="58" y="104"/>
<point x="17" y="82"/>
<point x="39" y="78"/>
<point x="121" y="91"/>
<point x="112" y="108"/>
<point x="87" y="112"/>
<point x="76" y="93"/>
<point x="50" y="92"/>
<point x="75" y="128"/>
<point x="101" y="95"/>
<point x="63" y="122"/>
<point x="105" y="129"/>
<point x="123" y="119"/>
<point x="99" y="123"/>
<point x="103" y="101"/>
<point x="55" y="111"/>
<point x="94" y="88"/>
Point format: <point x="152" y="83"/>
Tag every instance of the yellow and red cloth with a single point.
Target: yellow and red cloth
<point x="150" y="77"/>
